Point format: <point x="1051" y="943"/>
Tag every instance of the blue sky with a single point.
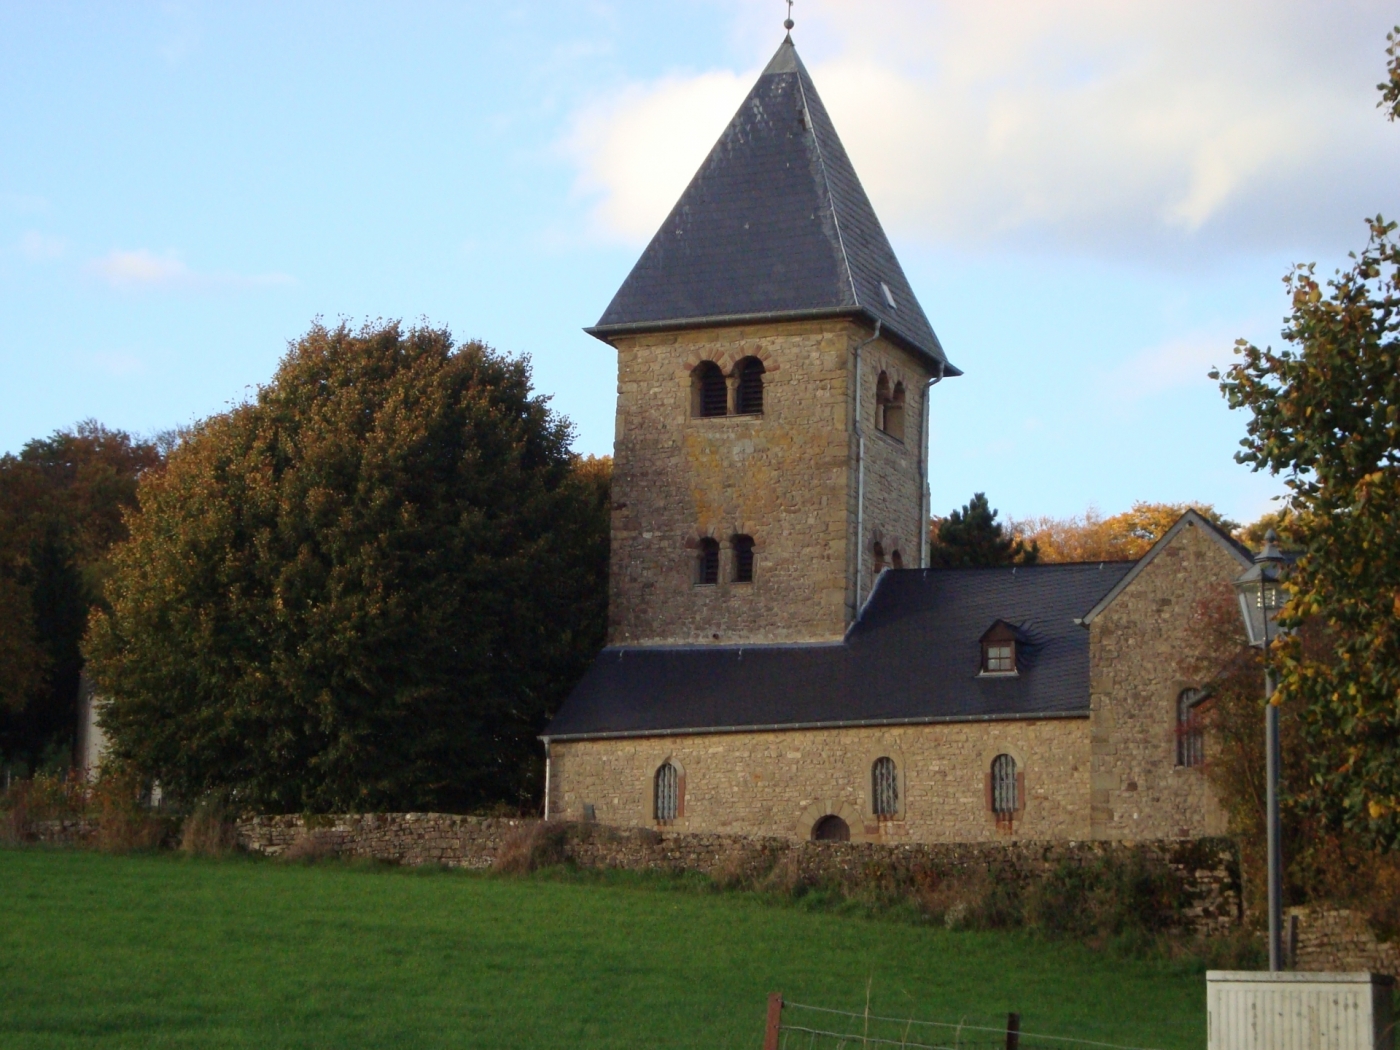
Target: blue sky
<point x="1092" y="200"/>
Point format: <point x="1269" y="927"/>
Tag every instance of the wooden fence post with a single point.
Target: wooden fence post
<point x="775" y="1021"/>
<point x="1013" y="1031"/>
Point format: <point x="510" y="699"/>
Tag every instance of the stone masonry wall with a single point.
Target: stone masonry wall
<point x="894" y="503"/>
<point x="786" y="477"/>
<point x="1337" y="940"/>
<point x="1145" y="649"/>
<point x="1208" y="871"/>
<point x="781" y="783"/>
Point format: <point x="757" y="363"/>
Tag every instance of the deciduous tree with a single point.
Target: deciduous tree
<point x="366" y="588"/>
<point x="1325" y="414"/>
<point x="1122" y="537"/>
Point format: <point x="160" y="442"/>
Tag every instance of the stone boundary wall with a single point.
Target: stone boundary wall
<point x="1332" y="940"/>
<point x="71" y="831"/>
<point x="1208" y="869"/>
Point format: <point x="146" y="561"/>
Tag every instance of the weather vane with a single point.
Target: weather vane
<point x="788" y="22"/>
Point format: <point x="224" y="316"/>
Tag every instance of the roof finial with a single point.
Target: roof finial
<point x="788" y="22"/>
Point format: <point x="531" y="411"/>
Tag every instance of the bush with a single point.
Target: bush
<point x="207" y="831"/>
<point x="531" y="847"/>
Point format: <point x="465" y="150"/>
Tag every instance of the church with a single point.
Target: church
<point x="780" y="659"/>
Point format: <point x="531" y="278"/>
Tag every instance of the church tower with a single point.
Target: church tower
<point x="774" y="369"/>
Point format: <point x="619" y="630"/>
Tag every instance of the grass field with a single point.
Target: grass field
<point x="165" y="951"/>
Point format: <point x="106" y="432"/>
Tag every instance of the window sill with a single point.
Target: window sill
<point x="998" y="674"/>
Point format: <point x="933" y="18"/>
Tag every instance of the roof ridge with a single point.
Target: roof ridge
<point x="826" y="177"/>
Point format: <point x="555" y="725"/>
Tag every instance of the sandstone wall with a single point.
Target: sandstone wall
<point x="781" y="783"/>
<point x="787" y="478"/>
<point x="1145" y="649"/>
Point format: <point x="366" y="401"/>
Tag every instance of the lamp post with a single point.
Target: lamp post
<point x="1261" y="595"/>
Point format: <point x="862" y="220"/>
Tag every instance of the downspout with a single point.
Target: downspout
<point x="860" y="470"/>
<point x="923" y="469"/>
<point x="546" y="778"/>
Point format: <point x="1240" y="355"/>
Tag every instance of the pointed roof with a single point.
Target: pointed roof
<point x="774" y="226"/>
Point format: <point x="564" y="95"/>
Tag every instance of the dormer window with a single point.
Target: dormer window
<point x="999" y="650"/>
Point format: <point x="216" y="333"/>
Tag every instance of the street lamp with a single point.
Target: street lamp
<point x="1261" y="596"/>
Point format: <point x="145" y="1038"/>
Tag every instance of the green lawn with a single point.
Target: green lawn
<point x="164" y="951"/>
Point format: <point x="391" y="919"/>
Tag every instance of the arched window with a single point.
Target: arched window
<point x="668" y="793"/>
<point x="707" y="564"/>
<point x="882" y="399"/>
<point x="1190" y="729"/>
<point x="748" y="394"/>
<point x="1004" y="789"/>
<point x="709" y="393"/>
<point x="884" y="788"/>
<point x="831" y="828"/>
<point x="896" y="560"/>
<point x="894" y="414"/>
<point x="743" y="558"/>
<point x="877" y="552"/>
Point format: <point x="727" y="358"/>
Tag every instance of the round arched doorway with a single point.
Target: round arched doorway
<point x="831" y="828"/>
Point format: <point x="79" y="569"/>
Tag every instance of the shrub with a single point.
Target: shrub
<point x="207" y="831"/>
<point x="531" y="847"/>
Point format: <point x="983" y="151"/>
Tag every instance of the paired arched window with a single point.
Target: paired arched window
<point x="667" y="793"/>
<point x="1004" y="789"/>
<point x="884" y="788"/>
<point x="877" y="553"/>
<point x="707" y="561"/>
<point x="1190" y="729"/>
<point x="889" y="407"/>
<point x="709" y="390"/>
<point x="748" y="391"/>
<point x="709" y="393"/>
<point x="743" y="558"/>
<point x="896" y="560"/>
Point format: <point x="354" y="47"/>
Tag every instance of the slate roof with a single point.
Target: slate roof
<point x="913" y="656"/>
<point x="774" y="226"/>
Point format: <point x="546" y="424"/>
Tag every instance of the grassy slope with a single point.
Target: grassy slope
<point x="155" y="951"/>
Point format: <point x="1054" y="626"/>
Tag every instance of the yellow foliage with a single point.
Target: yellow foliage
<point x="1092" y="537"/>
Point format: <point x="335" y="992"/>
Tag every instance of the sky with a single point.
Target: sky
<point x="1093" y="200"/>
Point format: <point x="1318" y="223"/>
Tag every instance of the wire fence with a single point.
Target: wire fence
<point x="796" y="1026"/>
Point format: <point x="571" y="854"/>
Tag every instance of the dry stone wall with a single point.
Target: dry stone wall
<point x="1338" y="940"/>
<point x="1145" y="649"/>
<point x="1207" y="871"/>
<point x="781" y="783"/>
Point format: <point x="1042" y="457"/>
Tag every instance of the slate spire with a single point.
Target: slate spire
<point x="774" y="226"/>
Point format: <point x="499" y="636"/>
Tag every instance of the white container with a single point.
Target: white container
<point x="1257" y="1010"/>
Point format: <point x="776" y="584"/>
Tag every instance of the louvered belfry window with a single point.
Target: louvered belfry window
<point x="668" y="793"/>
<point x="749" y="394"/>
<point x="707" y="567"/>
<point x="710" y="392"/>
<point x="743" y="559"/>
<point x="885" y="788"/>
<point x="1004" y="800"/>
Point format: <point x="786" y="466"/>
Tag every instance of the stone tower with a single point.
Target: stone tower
<point x="773" y="375"/>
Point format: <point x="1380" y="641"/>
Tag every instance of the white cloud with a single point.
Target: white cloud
<point x="638" y="150"/>
<point x="37" y="247"/>
<point x="143" y="269"/>
<point x="1141" y="129"/>
<point x="1181" y="361"/>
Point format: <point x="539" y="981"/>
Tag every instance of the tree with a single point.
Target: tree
<point x="62" y="501"/>
<point x="972" y="537"/>
<point x="367" y="588"/>
<point x="1122" y="537"/>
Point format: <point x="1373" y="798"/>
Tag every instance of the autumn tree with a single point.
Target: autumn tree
<point x="62" y="501"/>
<point x="1121" y="537"/>
<point x="366" y="588"/>
<point x="972" y="537"/>
<point x="1325" y="414"/>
